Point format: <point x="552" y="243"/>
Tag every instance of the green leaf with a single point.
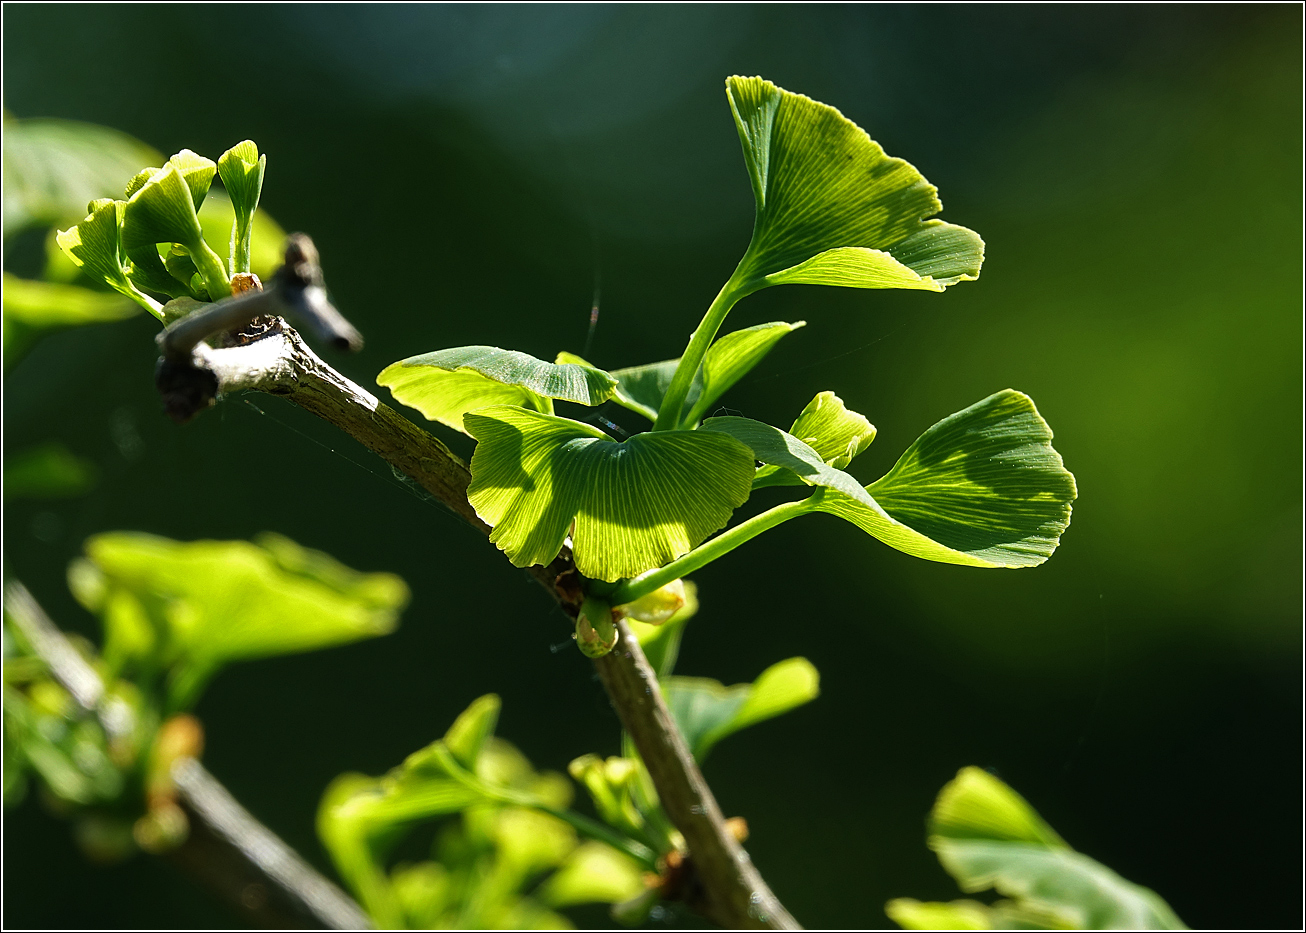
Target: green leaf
<point x="222" y="601"/>
<point x="164" y="210"/>
<point x="779" y="448"/>
<point x="592" y="874"/>
<point x="911" y="914"/>
<point x="832" y="208"/>
<point x="48" y="304"/>
<point x="987" y="836"/>
<point x="642" y="388"/>
<point x="983" y="487"/>
<point x="53" y="168"/>
<point x="48" y="471"/>
<point x="636" y="504"/>
<point x="95" y="246"/>
<point x="707" y="712"/>
<point x="242" y="168"/>
<point x="835" y="433"/>
<point x="731" y="357"/>
<point x="447" y="384"/>
<point x="467" y="736"/>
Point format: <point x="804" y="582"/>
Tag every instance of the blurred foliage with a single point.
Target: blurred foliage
<point x="175" y="613"/>
<point x="47" y="471"/>
<point x="987" y="836"/>
<point x="485" y="866"/>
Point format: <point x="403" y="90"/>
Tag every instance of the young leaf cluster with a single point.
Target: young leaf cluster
<point x="508" y="851"/>
<point x="151" y="246"/>
<point x="983" y="487"/>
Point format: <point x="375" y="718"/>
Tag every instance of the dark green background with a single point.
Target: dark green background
<point x="469" y="172"/>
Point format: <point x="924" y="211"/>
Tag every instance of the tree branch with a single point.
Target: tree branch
<point x="280" y="363"/>
<point x="227" y="849"/>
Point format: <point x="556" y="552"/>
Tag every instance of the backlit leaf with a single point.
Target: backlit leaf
<point x="221" y="601"/>
<point x="267" y="239"/>
<point x="706" y="711"/>
<point x="832" y="208"/>
<point x="731" y="357"/>
<point x="987" y="836"/>
<point x="447" y="384"/>
<point x="242" y="168"/>
<point x="635" y="505"/>
<point x="95" y="246"/>
<point x="983" y="487"/>
<point x="835" y="433"/>
<point x="593" y="874"/>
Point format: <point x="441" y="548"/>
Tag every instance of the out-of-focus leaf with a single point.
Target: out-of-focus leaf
<point x="242" y="168"/>
<point x="593" y="874"/>
<point x="466" y="737"/>
<point x="53" y="168"/>
<point x="707" y="712"/>
<point x="730" y="359"/>
<point x="983" y="487"/>
<point x="222" y="601"/>
<point x="447" y="384"/>
<point x="987" y="836"/>
<point x="911" y="914"/>
<point x="635" y="505"/>
<point x="46" y="304"/>
<point x="832" y="208"/>
<point x="48" y="471"/>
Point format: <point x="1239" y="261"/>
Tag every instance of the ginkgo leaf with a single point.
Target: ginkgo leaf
<point x="778" y="448"/>
<point x="835" y="433"/>
<point x="642" y="388"/>
<point x="707" y="712"/>
<point x="95" y="246"/>
<point x="242" y="169"/>
<point x="635" y="505"/>
<point x="221" y="601"/>
<point x="447" y="384"/>
<point x="832" y="208"/>
<point x="983" y="487"/>
<point x="987" y="836"/>
<point x="162" y="208"/>
<point x="731" y="357"/>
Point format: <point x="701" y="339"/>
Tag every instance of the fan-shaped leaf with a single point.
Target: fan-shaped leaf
<point x="95" y="246"/>
<point x="635" y="505"/>
<point x="447" y="384"/>
<point x="832" y="208"/>
<point x="706" y="711"/>
<point x="987" y="836"/>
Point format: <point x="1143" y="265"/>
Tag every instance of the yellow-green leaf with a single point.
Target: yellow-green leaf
<point x="832" y="208"/>
<point x="635" y="505"/>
